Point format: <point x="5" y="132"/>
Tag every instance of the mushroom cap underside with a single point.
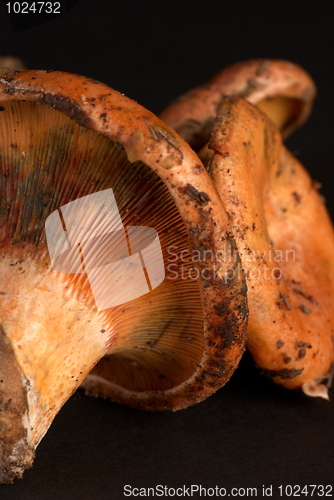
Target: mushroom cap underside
<point x="72" y="149"/>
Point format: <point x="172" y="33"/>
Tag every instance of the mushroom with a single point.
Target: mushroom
<point x="285" y="240"/>
<point x="283" y="90"/>
<point x="112" y="234"/>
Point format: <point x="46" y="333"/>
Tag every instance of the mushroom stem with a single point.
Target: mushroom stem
<point x="44" y="358"/>
<point x="16" y="450"/>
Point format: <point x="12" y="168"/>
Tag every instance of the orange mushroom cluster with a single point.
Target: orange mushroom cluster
<point x="130" y="267"/>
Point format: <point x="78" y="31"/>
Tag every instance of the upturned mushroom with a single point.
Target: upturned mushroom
<point x="283" y="90"/>
<point x="112" y="236"/>
<point x="286" y="244"/>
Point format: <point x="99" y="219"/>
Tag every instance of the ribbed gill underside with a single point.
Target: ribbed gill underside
<point x="48" y="161"/>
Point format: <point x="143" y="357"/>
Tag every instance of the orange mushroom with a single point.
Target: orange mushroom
<point x="275" y="209"/>
<point x="111" y="240"/>
<point x="286" y="244"/>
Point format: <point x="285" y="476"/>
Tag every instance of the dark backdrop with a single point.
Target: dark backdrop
<point x="251" y="433"/>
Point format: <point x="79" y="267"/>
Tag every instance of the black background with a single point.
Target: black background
<point x="251" y="433"/>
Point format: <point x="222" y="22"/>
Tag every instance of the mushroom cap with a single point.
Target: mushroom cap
<point x="286" y="244"/>
<point x="65" y="139"/>
<point x="282" y="89"/>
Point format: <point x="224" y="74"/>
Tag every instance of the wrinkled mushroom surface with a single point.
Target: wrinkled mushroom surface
<point x="283" y="90"/>
<point x="286" y="244"/>
<point x="65" y="139"/>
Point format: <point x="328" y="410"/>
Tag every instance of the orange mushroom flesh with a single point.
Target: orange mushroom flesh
<point x="166" y="348"/>
<point x="283" y="90"/>
<point x="286" y="244"/>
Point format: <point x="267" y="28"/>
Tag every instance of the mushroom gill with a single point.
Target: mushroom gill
<point x="111" y="236"/>
<point x="156" y="340"/>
